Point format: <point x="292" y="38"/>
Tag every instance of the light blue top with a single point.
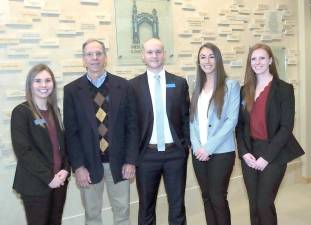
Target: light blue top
<point x="220" y="134"/>
<point x="99" y="81"/>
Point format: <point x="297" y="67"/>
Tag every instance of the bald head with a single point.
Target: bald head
<point x="153" y="55"/>
<point x="152" y="41"/>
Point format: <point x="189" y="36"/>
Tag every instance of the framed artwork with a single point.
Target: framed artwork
<point x="136" y="22"/>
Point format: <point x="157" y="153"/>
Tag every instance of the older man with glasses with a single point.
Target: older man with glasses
<point x="102" y="135"/>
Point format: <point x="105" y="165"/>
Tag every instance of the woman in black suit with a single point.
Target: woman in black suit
<point x="264" y="133"/>
<point x="38" y="142"/>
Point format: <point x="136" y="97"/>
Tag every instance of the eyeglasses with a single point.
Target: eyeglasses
<point x="94" y="54"/>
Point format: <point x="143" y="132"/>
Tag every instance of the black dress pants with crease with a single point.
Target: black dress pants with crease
<point x="213" y="177"/>
<point x="262" y="187"/>
<point x="172" y="165"/>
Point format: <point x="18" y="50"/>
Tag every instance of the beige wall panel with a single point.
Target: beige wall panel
<point x="53" y="33"/>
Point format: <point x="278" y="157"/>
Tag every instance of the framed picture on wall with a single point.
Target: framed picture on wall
<point x="136" y="22"/>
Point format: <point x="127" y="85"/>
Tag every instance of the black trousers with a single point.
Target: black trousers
<point x="172" y="165"/>
<point x="262" y="188"/>
<point x="213" y="177"/>
<point x="45" y="210"/>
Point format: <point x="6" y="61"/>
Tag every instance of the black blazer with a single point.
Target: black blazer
<point x="280" y="112"/>
<point x="177" y="107"/>
<point x="33" y="150"/>
<point x="82" y="131"/>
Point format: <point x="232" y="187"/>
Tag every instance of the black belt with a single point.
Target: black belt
<point x="155" y="146"/>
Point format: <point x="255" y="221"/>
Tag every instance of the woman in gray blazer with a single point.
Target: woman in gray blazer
<point x="213" y="116"/>
<point x="37" y="136"/>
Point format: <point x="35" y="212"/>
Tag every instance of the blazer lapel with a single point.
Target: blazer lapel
<point x="115" y="95"/>
<point x="87" y="101"/>
<point x="269" y="102"/>
<point x="146" y="92"/>
<point x="60" y="136"/>
<point x="170" y="82"/>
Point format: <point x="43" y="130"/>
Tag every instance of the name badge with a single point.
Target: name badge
<point x="172" y="85"/>
<point x="39" y="121"/>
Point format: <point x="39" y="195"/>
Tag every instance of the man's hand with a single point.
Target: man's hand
<point x="82" y="177"/>
<point x="128" y="171"/>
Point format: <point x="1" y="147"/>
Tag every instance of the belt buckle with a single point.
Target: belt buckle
<point x="155" y="147"/>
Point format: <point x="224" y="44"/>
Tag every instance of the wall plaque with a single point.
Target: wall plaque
<point x="136" y="22"/>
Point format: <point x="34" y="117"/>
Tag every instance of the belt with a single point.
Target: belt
<point x="155" y="146"/>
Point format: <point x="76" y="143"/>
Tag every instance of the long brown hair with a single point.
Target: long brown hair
<point x="250" y="79"/>
<point x="52" y="98"/>
<point x="219" y="82"/>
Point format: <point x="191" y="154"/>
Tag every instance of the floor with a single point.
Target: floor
<point x="293" y="207"/>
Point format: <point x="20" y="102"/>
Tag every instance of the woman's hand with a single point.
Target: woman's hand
<point x="62" y="174"/>
<point x="250" y="160"/>
<point x="201" y="155"/>
<point x="56" y="182"/>
<point x="261" y="164"/>
<point x="59" y="179"/>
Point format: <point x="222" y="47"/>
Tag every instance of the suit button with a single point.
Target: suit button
<point x="209" y="125"/>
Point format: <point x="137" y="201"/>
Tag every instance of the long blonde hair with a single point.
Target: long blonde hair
<point x="52" y="98"/>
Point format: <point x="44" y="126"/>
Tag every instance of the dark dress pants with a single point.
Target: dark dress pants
<point x="213" y="177"/>
<point x="172" y="165"/>
<point x="45" y="210"/>
<point x="262" y="188"/>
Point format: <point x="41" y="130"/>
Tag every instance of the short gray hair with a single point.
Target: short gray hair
<point x="94" y="40"/>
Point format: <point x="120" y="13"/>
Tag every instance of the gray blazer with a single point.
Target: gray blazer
<point x="220" y="137"/>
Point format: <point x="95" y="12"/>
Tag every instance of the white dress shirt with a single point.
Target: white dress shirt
<point x="202" y="106"/>
<point x="167" y="131"/>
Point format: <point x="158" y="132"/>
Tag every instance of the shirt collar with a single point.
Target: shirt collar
<point x="99" y="80"/>
<point x="152" y="74"/>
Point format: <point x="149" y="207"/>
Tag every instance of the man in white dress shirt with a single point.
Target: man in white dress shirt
<point x="163" y="113"/>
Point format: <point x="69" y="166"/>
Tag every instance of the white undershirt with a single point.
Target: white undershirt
<point x="167" y="131"/>
<point x="202" y="107"/>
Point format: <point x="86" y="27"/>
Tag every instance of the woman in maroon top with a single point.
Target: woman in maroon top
<point x="42" y="169"/>
<point x="264" y="133"/>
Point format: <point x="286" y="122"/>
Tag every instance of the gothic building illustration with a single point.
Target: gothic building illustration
<point x="139" y="18"/>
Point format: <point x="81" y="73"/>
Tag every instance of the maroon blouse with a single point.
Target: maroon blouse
<point x="57" y="160"/>
<point x="258" y="125"/>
